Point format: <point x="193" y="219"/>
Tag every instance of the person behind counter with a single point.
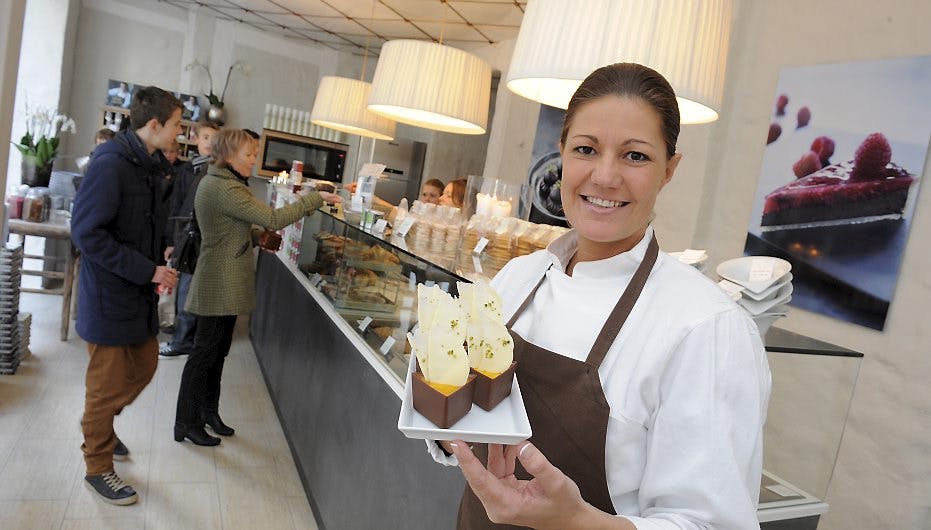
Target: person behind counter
<point x="454" y="193"/>
<point x="223" y="285"/>
<point x="653" y="417"/>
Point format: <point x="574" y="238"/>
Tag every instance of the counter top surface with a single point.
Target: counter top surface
<point x="780" y="340"/>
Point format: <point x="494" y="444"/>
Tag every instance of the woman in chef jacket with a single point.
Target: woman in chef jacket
<point x="653" y="417"/>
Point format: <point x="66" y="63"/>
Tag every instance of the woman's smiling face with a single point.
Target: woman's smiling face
<point x="614" y="163"/>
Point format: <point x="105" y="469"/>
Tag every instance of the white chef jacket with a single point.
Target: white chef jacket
<point x="687" y="382"/>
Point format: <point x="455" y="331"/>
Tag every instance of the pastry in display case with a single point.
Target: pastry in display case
<point x="371" y="282"/>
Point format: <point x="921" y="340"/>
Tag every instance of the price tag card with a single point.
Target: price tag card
<point x="405" y="226"/>
<point x="364" y="323"/>
<point x="315" y="279"/>
<point x="380" y="226"/>
<point x="761" y="269"/>
<point x="480" y="246"/>
<point x="372" y="169"/>
<point x="356" y="203"/>
<point x="386" y="346"/>
<point x="477" y="265"/>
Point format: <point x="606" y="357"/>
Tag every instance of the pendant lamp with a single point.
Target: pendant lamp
<point x="686" y="41"/>
<point x="433" y="86"/>
<point x="341" y="105"/>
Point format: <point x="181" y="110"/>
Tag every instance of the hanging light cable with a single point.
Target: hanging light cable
<point x="341" y="102"/>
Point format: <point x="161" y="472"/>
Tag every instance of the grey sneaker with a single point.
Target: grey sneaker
<point x="111" y="488"/>
<point x="120" y="451"/>
<point x="165" y="351"/>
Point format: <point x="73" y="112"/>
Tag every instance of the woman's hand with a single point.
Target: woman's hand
<point x="330" y="198"/>
<point x="549" y="500"/>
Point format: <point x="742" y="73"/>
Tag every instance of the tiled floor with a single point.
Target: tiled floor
<point x="248" y="482"/>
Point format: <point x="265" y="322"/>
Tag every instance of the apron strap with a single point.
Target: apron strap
<point x="527" y="300"/>
<point x="624" y="306"/>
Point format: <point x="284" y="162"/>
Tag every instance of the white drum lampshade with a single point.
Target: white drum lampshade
<point x="433" y="86"/>
<point x="686" y="41"/>
<point x="341" y="105"/>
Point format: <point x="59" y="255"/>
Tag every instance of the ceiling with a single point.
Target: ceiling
<point x="351" y="25"/>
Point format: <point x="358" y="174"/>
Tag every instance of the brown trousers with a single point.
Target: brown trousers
<point x="116" y="375"/>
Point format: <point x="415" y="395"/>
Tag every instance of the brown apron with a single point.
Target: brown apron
<point x="566" y="406"/>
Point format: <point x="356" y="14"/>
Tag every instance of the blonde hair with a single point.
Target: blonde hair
<point x="226" y="143"/>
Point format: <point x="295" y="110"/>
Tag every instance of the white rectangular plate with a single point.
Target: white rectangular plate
<point x="505" y="424"/>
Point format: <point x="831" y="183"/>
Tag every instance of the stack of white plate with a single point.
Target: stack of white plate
<point x="765" y="297"/>
<point x="695" y="258"/>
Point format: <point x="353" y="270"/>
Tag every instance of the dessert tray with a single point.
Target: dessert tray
<point x="737" y="270"/>
<point x="505" y="424"/>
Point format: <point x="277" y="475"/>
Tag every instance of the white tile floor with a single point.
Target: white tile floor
<point x="248" y="482"/>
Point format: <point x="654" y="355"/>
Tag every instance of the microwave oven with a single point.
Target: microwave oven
<point x="322" y="160"/>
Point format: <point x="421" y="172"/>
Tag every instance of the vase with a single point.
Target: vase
<point x="216" y="115"/>
<point x="35" y="175"/>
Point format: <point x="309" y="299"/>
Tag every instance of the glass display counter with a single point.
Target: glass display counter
<point x="813" y="384"/>
<point x="371" y="281"/>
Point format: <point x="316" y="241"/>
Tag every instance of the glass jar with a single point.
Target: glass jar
<point x="37" y="205"/>
<point x="14" y="204"/>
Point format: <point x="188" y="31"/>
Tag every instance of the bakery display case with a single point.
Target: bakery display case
<point x="371" y="281"/>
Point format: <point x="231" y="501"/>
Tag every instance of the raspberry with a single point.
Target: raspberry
<point x="808" y="164"/>
<point x="781" y="103"/>
<point x="824" y="146"/>
<point x="871" y="158"/>
<point x="774" y="131"/>
<point x="804" y="115"/>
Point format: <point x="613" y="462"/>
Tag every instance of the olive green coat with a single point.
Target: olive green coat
<point x="224" y="280"/>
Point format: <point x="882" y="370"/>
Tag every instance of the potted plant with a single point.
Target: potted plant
<point x="39" y="145"/>
<point x="216" y="113"/>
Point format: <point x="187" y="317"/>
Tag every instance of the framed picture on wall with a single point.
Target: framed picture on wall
<point x="845" y="153"/>
<point x="191" y="109"/>
<point x="120" y="93"/>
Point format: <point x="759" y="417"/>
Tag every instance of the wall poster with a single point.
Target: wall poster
<point x="545" y="176"/>
<point x="841" y="172"/>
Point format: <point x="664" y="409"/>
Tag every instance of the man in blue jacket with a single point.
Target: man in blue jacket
<point x="115" y="224"/>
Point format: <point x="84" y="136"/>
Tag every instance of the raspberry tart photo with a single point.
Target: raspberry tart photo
<point x="867" y="189"/>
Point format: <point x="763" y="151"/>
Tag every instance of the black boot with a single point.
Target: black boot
<point x="213" y="420"/>
<point x="195" y="434"/>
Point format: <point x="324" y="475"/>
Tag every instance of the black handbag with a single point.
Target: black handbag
<point x="188" y="248"/>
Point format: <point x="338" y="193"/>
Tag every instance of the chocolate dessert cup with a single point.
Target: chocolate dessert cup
<point x="442" y="410"/>
<point x="489" y="392"/>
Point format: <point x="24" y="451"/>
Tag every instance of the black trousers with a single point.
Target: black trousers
<point x="200" y="382"/>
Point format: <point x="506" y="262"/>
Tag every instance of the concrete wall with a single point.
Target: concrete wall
<point x="883" y="473"/>
<point x="42" y="69"/>
<point x="11" y="32"/>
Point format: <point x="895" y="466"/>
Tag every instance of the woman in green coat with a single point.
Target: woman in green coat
<point x="223" y="285"/>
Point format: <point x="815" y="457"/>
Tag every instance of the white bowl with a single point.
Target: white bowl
<point x="770" y="292"/>
<point x="737" y="270"/>
<point x="758" y="307"/>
